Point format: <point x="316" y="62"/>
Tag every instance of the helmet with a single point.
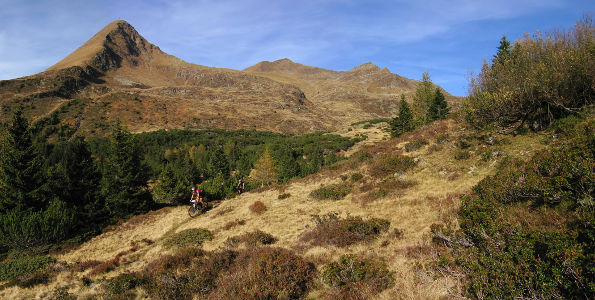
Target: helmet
<point x="193" y="188"/>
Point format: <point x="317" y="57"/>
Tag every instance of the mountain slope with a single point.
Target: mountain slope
<point x="118" y="74"/>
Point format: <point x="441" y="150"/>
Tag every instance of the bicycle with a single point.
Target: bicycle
<point x="196" y="208"/>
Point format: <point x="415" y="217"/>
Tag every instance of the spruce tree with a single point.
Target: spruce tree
<point x="21" y="174"/>
<point x="439" y="108"/>
<point x="218" y="163"/>
<point x="504" y="51"/>
<point x="404" y="122"/>
<point x="422" y="99"/>
<point x="124" y="177"/>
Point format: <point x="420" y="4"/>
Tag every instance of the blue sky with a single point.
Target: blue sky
<point x="449" y="39"/>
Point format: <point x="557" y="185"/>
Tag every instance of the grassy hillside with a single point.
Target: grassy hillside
<point x="406" y="191"/>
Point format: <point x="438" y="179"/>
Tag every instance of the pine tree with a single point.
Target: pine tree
<point x="264" y="171"/>
<point x="439" y="108"/>
<point x="21" y="174"/>
<point x="288" y="166"/>
<point x="404" y="121"/>
<point x="422" y="99"/>
<point x="218" y="163"/>
<point x="124" y="177"/>
<point x="504" y="51"/>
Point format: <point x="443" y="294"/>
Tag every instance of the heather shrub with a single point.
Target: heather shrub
<point x="331" y="229"/>
<point x="265" y="273"/>
<point x="82" y="266"/>
<point x="251" y="239"/>
<point x="354" y="277"/>
<point x="188" y="237"/>
<point x="356" y="177"/>
<point x="333" y="192"/>
<point x="386" y="165"/>
<point x="106" y="266"/>
<point x="415" y="145"/>
<point x="462" y="155"/>
<point x="257" y="207"/>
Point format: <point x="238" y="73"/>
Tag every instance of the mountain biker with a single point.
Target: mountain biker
<point x="240" y="187"/>
<point x="196" y="197"/>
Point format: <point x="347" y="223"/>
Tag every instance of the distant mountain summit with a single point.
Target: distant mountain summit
<point x="119" y="75"/>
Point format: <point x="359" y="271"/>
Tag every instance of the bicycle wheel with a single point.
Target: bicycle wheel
<point x="194" y="211"/>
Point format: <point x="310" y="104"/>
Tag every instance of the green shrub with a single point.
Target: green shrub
<point x="333" y="192"/>
<point x="284" y="196"/>
<point x="12" y="269"/>
<point x="462" y="155"/>
<point x="356" y="177"/>
<point x="357" y="277"/>
<point x="330" y="229"/>
<point x="527" y="231"/>
<point x="386" y="165"/>
<point x="188" y="237"/>
<point x="416" y="144"/>
<point x="123" y="284"/>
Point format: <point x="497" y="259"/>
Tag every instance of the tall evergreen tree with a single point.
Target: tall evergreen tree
<point x="21" y="174"/>
<point x="124" y="179"/>
<point x="504" y="51"/>
<point x="218" y="163"/>
<point x="404" y="122"/>
<point x="439" y="108"/>
<point x="422" y="99"/>
<point x="287" y="164"/>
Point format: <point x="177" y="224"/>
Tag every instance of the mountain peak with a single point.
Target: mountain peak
<point x="115" y="44"/>
<point x="366" y="67"/>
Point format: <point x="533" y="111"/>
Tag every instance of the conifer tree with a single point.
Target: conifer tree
<point x="422" y="99"/>
<point x="21" y="174"/>
<point x="439" y="108"/>
<point x="218" y="163"/>
<point x="124" y="179"/>
<point x="287" y="164"/>
<point x="504" y="51"/>
<point x="404" y="121"/>
<point x="264" y="171"/>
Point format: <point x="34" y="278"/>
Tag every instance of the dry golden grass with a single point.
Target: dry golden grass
<point x="434" y="199"/>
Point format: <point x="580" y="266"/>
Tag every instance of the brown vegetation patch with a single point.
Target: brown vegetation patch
<point x="385" y="165"/>
<point x="330" y="229"/>
<point x="251" y="239"/>
<point x="257" y="207"/>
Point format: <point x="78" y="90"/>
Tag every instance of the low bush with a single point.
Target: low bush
<point x="257" y="207"/>
<point x="188" y="237"/>
<point x="251" y="239"/>
<point x="357" y="278"/>
<point x="266" y="273"/>
<point x="330" y="229"/>
<point x="284" y="196"/>
<point x="386" y="165"/>
<point x="356" y="177"/>
<point x="82" y="266"/>
<point x="121" y="285"/>
<point x="231" y="224"/>
<point x="462" y="155"/>
<point x="13" y="269"/>
<point x="415" y="145"/>
<point x="333" y="192"/>
<point x="106" y="266"/>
